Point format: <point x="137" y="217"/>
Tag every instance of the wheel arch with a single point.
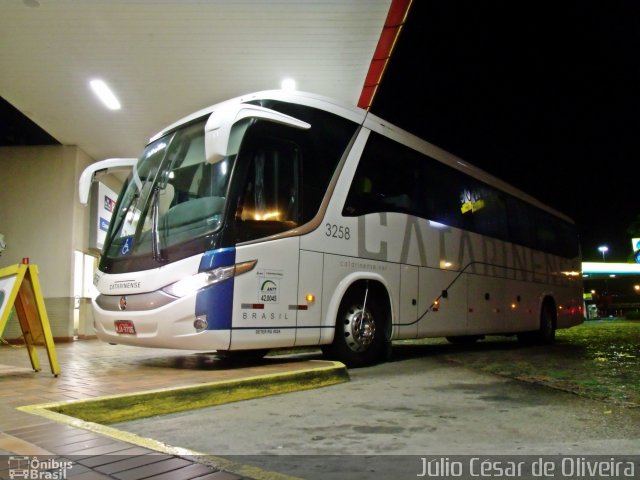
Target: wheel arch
<point x="545" y="333"/>
<point x="548" y="298"/>
<point x="355" y="281"/>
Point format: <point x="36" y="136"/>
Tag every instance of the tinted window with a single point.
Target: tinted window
<point x="393" y="178"/>
<point x="284" y="172"/>
<point x="270" y="201"/>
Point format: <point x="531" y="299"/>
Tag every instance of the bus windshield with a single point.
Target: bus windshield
<point x="172" y="196"/>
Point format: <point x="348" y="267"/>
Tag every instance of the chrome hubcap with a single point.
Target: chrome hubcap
<point x="359" y="328"/>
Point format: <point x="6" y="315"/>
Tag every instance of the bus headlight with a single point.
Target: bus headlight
<point x="200" y="280"/>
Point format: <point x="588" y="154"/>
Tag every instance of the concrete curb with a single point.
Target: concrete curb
<point x="122" y="408"/>
<point x="92" y="414"/>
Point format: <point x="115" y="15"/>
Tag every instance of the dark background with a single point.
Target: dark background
<point x="544" y="95"/>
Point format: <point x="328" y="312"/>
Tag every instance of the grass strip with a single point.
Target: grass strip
<point x="599" y="359"/>
<point x="122" y="408"/>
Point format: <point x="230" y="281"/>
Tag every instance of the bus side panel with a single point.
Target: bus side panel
<point x="486" y="309"/>
<point x="449" y="315"/>
<point x="408" y="319"/>
<point x="309" y="311"/>
<point x="522" y="305"/>
<point x="264" y="298"/>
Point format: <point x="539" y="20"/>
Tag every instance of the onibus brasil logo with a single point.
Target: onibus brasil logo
<point x="38" y="469"/>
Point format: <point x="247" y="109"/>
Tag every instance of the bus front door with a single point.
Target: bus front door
<point x="265" y="298"/>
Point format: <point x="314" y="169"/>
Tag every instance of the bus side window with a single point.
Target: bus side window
<point x="386" y="180"/>
<point x="270" y="201"/>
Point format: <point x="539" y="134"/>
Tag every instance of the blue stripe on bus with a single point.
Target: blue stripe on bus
<point x="216" y="301"/>
<point x="222" y="257"/>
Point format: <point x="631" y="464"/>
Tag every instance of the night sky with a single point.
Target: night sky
<point x="545" y="95"/>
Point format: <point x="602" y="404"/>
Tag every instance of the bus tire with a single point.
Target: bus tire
<point x="546" y="333"/>
<point x="548" y="321"/>
<point x="361" y="337"/>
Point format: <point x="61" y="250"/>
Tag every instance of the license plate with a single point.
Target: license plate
<point x="125" y="327"/>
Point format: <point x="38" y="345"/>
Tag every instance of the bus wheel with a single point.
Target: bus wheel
<point x="546" y="333"/>
<point x="361" y="330"/>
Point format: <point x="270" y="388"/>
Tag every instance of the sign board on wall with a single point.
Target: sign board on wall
<point x="103" y="202"/>
<point x="20" y="289"/>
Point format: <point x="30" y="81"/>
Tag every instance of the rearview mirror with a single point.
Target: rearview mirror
<point x="218" y="127"/>
<point x="109" y="165"/>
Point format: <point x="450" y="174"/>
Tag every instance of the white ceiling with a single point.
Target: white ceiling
<point x="165" y="59"/>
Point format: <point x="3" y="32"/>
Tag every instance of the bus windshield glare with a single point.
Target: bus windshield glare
<point x="173" y="195"/>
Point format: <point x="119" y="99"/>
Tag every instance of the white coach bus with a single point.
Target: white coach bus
<point x="285" y="219"/>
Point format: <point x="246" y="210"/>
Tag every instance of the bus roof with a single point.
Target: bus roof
<point x="359" y="115"/>
<point x="304" y="98"/>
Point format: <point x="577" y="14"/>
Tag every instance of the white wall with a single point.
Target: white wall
<point x="41" y="218"/>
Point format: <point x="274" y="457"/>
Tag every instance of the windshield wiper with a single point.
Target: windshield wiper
<point x="155" y="232"/>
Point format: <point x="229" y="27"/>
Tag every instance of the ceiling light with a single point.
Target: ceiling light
<point x="104" y="93"/>
<point x="288" y="84"/>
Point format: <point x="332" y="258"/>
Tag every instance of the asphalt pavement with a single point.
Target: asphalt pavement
<point x="388" y="417"/>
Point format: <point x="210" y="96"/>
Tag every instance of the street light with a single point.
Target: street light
<point x="604" y="249"/>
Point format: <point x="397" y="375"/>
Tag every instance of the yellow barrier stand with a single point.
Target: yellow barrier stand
<point x="20" y="287"/>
